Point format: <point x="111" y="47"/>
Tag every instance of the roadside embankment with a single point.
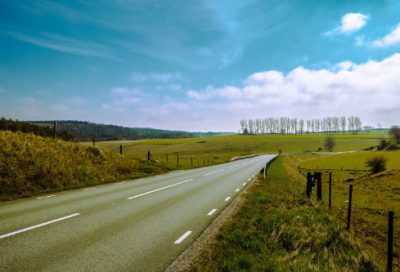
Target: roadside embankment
<point x="279" y="229"/>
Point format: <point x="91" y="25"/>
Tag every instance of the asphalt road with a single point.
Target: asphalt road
<point x="137" y="225"/>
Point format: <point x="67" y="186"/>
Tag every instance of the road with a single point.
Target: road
<point x="136" y="225"/>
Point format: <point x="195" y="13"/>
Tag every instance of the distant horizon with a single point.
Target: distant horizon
<point x="199" y="65"/>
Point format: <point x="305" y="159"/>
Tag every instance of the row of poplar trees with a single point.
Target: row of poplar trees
<point x="286" y="125"/>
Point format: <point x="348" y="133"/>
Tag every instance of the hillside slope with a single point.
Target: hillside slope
<point x="31" y="165"/>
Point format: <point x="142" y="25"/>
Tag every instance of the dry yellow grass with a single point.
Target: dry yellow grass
<point x="31" y="165"/>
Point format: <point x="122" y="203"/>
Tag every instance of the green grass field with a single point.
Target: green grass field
<point x="222" y="148"/>
<point x="351" y="161"/>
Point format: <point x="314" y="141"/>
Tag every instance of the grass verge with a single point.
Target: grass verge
<point x="31" y="165"/>
<point x="278" y="229"/>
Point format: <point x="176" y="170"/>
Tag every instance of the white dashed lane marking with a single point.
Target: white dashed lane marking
<point x="159" y="189"/>
<point x="183" y="237"/>
<point x="226" y="199"/>
<point x="237" y="190"/>
<point x="244" y="184"/>
<point x="89" y="189"/>
<point x="213" y="172"/>
<point x="45" y="196"/>
<point x="210" y="213"/>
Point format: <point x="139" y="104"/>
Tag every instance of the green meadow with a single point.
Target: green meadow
<point x="222" y="148"/>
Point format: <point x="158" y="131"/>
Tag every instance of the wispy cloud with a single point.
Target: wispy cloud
<point x="2" y="90"/>
<point x="350" y="23"/>
<point x="392" y="38"/>
<point x="62" y="44"/>
<point x="163" y="77"/>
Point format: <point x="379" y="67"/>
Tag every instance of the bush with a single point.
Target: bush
<point x="382" y="144"/>
<point x="377" y="163"/>
<point x="330" y="143"/>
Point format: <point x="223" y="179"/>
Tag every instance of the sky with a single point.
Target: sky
<point x="199" y="65"/>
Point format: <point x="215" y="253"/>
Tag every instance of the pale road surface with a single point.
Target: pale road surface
<point x="137" y="225"/>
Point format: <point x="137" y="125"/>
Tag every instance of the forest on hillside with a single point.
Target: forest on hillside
<point x="83" y="131"/>
<point x="27" y="127"/>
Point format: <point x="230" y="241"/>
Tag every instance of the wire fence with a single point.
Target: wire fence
<point x="380" y="226"/>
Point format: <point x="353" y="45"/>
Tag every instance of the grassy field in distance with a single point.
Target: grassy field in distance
<point x="351" y="161"/>
<point x="223" y="148"/>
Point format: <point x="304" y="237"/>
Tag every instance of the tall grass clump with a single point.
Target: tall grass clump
<point x="31" y="165"/>
<point x="279" y="229"/>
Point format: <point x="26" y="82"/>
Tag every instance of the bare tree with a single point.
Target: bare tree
<point x="312" y="125"/>
<point x="343" y="123"/>
<point x="357" y="124"/>
<point x="277" y="125"/>
<point x="350" y="123"/>
<point x="379" y="126"/>
<point x="301" y="126"/>
<point x="335" y="122"/>
<point x="377" y="163"/>
<point x="317" y="124"/>
<point x="251" y="126"/>
<point x="262" y="126"/>
<point x="287" y="125"/>
<point x="308" y="125"/>
<point x="243" y="124"/>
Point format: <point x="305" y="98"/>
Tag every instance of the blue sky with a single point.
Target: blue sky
<point x="199" y="65"/>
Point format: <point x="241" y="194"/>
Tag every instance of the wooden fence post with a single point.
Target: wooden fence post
<point x="349" y="209"/>
<point x="177" y="158"/>
<point x="308" y="189"/>
<point x="204" y="162"/>
<point x="330" y="190"/>
<point x="191" y="160"/>
<point x="167" y="157"/>
<point x="120" y="149"/>
<point x="148" y="155"/>
<point x="55" y="129"/>
<point x="93" y="139"/>
<point x="390" y="242"/>
<point x="319" y="186"/>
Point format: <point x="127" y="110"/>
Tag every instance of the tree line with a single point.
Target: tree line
<point x="27" y="127"/>
<point x="286" y="125"/>
<point x="83" y="131"/>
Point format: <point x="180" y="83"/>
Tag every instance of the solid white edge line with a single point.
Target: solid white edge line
<point x="183" y="237"/>
<point x="210" y="213"/>
<point x="159" y="189"/>
<point x="89" y="189"/>
<point x="120" y="182"/>
<point x="37" y="226"/>
<point x="226" y="199"/>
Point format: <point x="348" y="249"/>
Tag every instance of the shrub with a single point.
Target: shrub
<point x="330" y="143"/>
<point x="377" y="163"/>
<point x="382" y="144"/>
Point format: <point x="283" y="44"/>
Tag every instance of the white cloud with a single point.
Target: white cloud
<point x="391" y="38"/>
<point x="2" y="90"/>
<point x="202" y="95"/>
<point x="125" y="91"/>
<point x="105" y="106"/>
<point x="77" y="101"/>
<point x="166" y="77"/>
<point x="367" y="88"/>
<point x="351" y="22"/>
